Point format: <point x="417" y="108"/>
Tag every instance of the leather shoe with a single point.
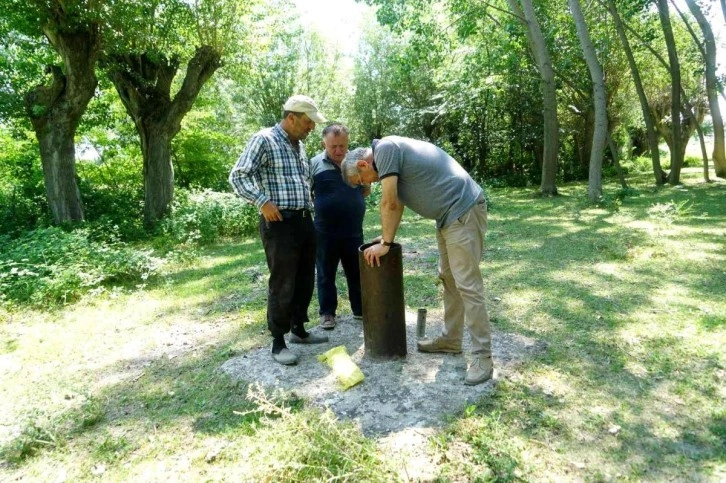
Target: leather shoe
<point x="310" y="339"/>
<point x="480" y="370"/>
<point x="285" y="357"/>
<point x="327" y="322"/>
<point x="439" y="344"/>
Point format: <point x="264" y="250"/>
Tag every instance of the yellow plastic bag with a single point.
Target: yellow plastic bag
<point x="345" y="370"/>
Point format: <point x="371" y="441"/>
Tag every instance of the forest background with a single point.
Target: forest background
<point x="118" y="116"/>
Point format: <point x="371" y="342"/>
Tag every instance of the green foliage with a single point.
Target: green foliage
<point x="22" y="193"/>
<point x="49" y="266"/>
<point x="24" y="53"/>
<point x="204" y="217"/>
<point x="640" y="164"/>
<point x="692" y="162"/>
<point x="113" y="196"/>
<point x="202" y="158"/>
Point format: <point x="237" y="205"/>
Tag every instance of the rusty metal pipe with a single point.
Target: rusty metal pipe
<point x="384" y="310"/>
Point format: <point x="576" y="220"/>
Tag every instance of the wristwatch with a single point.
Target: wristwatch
<point x="386" y="244"/>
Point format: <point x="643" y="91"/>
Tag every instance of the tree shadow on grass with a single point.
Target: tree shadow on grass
<point x="579" y="263"/>
<point x="583" y="284"/>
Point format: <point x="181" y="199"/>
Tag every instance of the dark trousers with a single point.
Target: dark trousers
<point x="290" y="252"/>
<point x="331" y="251"/>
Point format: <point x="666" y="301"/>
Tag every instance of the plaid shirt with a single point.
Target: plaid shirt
<point x="270" y="169"/>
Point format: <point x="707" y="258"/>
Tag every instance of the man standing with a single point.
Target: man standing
<point x="273" y="173"/>
<point x="339" y="212"/>
<point x="431" y="183"/>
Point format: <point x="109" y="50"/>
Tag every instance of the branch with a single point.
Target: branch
<point x="690" y="29"/>
<point x="201" y="67"/>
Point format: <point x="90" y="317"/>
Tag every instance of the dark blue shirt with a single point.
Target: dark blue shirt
<point x="339" y="208"/>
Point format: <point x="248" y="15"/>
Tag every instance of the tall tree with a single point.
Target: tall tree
<point x="675" y="72"/>
<point x="708" y="51"/>
<point x="376" y="102"/>
<point x="601" y="118"/>
<point x="143" y="65"/>
<point x="652" y="134"/>
<point x="55" y="107"/>
<point x="526" y="14"/>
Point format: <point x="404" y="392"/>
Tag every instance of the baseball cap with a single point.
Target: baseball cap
<point x="299" y="103"/>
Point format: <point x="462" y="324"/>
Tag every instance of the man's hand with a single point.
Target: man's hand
<point x="270" y="212"/>
<point x="374" y="253"/>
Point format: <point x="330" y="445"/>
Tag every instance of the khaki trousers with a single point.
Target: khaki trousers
<point x="461" y="245"/>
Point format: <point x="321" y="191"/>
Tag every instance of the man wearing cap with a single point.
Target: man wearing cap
<point x="339" y="212"/>
<point x="273" y="173"/>
<point x="423" y="177"/>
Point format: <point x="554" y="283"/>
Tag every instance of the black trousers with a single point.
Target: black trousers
<point x="290" y="252"/>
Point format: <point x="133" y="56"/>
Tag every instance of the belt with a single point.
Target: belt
<point x="289" y="214"/>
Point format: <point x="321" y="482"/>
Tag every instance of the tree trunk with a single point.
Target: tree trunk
<point x="144" y="84"/>
<point x="616" y="161"/>
<point x="719" y="154"/>
<point x="704" y="153"/>
<point x="158" y="172"/>
<point x="652" y="134"/>
<point x="674" y="176"/>
<point x="538" y="46"/>
<point x="600" y="135"/>
<point x="57" y="154"/>
<point x="56" y="109"/>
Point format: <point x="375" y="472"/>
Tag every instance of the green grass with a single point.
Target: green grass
<point x="626" y="298"/>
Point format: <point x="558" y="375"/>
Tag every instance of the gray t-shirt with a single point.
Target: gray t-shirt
<point x="430" y="182"/>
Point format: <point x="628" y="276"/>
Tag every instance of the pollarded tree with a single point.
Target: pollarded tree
<point x="54" y="107"/>
<point x="145" y="52"/>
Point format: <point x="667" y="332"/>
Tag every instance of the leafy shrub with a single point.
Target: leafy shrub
<point x="202" y="159"/>
<point x="50" y="266"/>
<point x="692" y="162"/>
<point x="373" y="201"/>
<point x="204" y="217"/>
<point x="22" y="193"/>
<point x="113" y="195"/>
<point x="641" y="164"/>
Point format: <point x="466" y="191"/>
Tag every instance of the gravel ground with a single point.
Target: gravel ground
<point x="401" y="402"/>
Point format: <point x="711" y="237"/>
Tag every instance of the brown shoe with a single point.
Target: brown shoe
<point x="327" y="322"/>
<point x="439" y="344"/>
<point x="480" y="370"/>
